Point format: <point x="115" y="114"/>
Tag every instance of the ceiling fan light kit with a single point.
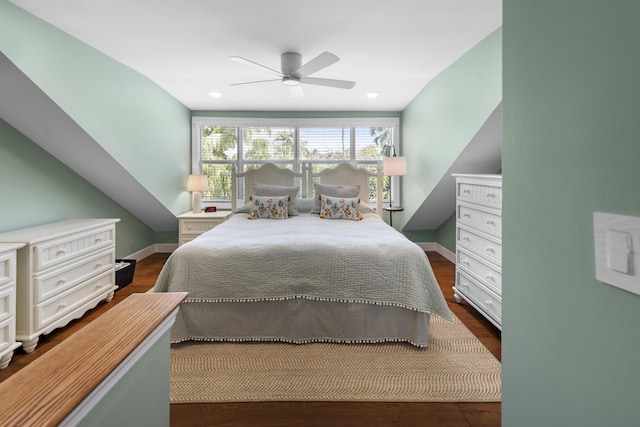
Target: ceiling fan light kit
<point x="293" y="73"/>
<point x="290" y="81"/>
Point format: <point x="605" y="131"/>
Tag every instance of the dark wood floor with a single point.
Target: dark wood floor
<point x="306" y="413"/>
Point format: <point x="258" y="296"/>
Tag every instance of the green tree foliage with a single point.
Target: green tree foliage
<point x="219" y="147"/>
<point x="217" y="142"/>
<point x="382" y="138"/>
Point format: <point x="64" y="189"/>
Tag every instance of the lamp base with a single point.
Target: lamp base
<point x="196" y="205"/>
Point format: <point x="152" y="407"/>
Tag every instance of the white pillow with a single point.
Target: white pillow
<point x="349" y="191"/>
<point x="340" y="208"/>
<point x="305" y="205"/>
<point x="245" y="209"/>
<point x="268" y="207"/>
<point x="365" y="208"/>
<point x="260" y="189"/>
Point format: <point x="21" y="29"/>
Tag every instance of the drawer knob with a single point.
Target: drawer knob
<point x="491" y="195"/>
<point x="490" y="277"/>
<point x="466" y="262"/>
<point x="489" y="304"/>
<point x="98" y="265"/>
<point x="491" y="250"/>
<point x="62" y="280"/>
<point x="491" y="223"/>
<point x="466" y="238"/>
<point x="61" y="251"/>
<point x="98" y="239"/>
<point x="189" y="227"/>
<point x="62" y="306"/>
<point x="466" y="215"/>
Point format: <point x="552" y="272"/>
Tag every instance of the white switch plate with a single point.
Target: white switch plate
<point x="617" y="246"/>
<point x="620" y="251"/>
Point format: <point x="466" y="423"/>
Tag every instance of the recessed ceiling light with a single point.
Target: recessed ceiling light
<point x="215" y="94"/>
<point x="373" y="95"/>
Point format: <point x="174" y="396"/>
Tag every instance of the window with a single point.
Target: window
<point x="218" y="142"/>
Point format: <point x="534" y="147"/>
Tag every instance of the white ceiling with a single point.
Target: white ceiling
<point x="392" y="47"/>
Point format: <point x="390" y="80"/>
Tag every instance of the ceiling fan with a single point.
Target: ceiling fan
<point x="292" y="73"/>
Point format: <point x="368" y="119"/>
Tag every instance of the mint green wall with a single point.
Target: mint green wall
<point x="447" y="233"/>
<point x="37" y="189"/>
<point x="419" y="236"/>
<point x="139" y="124"/>
<point x="166" y="236"/>
<point x="444" y="117"/>
<point x="571" y="345"/>
<point x="141" y="397"/>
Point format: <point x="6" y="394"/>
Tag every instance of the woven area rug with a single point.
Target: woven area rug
<point x="456" y="367"/>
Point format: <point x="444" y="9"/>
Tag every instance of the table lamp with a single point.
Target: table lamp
<point x="197" y="184"/>
<point x="394" y="166"/>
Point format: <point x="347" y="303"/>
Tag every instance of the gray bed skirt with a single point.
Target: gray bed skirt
<point x="299" y="321"/>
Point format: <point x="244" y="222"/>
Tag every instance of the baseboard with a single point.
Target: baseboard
<point x="437" y="247"/>
<point x="150" y="250"/>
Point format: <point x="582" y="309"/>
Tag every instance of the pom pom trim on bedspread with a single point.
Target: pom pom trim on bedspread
<point x="303" y="341"/>
<point x="311" y="298"/>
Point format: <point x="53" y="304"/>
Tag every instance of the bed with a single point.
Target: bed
<point x="312" y="277"/>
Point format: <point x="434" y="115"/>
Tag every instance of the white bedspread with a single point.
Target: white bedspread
<point x="304" y="257"/>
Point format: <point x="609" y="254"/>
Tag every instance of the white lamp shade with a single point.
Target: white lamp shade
<point x="198" y="183"/>
<point x="395" y="166"/>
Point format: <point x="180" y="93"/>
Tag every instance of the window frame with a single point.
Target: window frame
<point x="296" y="123"/>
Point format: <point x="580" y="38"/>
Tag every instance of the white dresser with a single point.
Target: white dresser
<point x="191" y="225"/>
<point x="63" y="270"/>
<point x="8" y="302"/>
<point x="479" y="244"/>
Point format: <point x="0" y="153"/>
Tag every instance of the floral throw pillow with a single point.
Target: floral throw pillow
<point x="339" y="208"/>
<point x="332" y="191"/>
<point x="260" y="189"/>
<point x="268" y="207"/>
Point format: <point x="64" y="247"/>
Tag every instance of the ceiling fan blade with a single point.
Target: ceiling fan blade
<point x="341" y="84"/>
<point x="316" y="64"/>
<point x="257" y="81"/>
<point x="296" y="91"/>
<point x="242" y="60"/>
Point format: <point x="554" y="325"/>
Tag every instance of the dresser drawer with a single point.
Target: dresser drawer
<point x="489" y="220"/>
<point x="58" y="251"/>
<point x="7" y="267"/>
<point x="7" y="302"/>
<point x="7" y="334"/>
<point x="479" y="296"/>
<point x="56" y="281"/>
<point x="197" y="227"/>
<point x="488" y="274"/>
<point x="48" y="312"/>
<point x="185" y="239"/>
<point x="481" y="243"/>
<point x="486" y="194"/>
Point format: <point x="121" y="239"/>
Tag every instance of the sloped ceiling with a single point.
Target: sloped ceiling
<point x="483" y="155"/>
<point x="394" y="48"/>
<point x="391" y="47"/>
<point x="21" y="100"/>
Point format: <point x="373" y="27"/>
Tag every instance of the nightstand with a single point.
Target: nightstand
<point x="191" y="225"/>
<point x="391" y="210"/>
